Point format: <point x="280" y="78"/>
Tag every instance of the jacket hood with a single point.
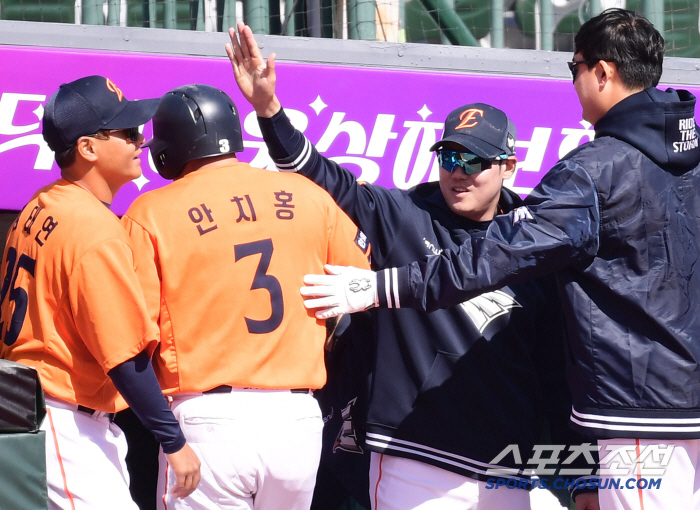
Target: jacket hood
<point x="660" y="124"/>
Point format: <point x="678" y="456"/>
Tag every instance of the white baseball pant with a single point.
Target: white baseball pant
<point x="636" y="462"/>
<point x="85" y="460"/>
<point x="259" y="449"/>
<point x="405" y="484"/>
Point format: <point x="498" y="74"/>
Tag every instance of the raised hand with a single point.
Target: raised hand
<point x="255" y="78"/>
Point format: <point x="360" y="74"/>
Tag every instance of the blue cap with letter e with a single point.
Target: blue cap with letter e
<point x="478" y="128"/>
<point x="85" y="106"/>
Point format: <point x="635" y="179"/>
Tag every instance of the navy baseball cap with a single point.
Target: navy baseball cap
<point x="478" y="128"/>
<point x="83" y="107"/>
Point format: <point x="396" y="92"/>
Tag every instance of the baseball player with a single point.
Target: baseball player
<point x="618" y="220"/>
<point x="221" y="254"/>
<point x="71" y="305"/>
<point x="447" y="386"/>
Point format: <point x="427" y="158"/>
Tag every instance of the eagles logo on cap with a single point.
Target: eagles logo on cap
<point x="478" y="128"/>
<point x="111" y="86"/>
<point x="468" y="118"/>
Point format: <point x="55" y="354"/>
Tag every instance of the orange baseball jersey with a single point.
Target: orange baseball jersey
<point x="71" y="305"/>
<point x="221" y="254"/>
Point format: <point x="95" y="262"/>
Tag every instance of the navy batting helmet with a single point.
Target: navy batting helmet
<point x="193" y="122"/>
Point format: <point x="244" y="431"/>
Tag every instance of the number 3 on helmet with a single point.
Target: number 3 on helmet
<point x="193" y="122"/>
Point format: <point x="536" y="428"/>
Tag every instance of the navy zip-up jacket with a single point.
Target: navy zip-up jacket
<point x="453" y="387"/>
<point x="618" y="220"/>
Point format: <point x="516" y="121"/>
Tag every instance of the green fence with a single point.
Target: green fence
<point x="535" y="24"/>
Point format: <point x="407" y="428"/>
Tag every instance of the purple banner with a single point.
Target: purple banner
<point x="379" y="123"/>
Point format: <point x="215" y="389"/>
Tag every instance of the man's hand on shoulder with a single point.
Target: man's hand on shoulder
<point x="344" y="290"/>
<point x="254" y="76"/>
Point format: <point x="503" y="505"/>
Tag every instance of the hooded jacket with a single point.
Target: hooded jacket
<point x="618" y="220"/>
<point x="454" y="387"/>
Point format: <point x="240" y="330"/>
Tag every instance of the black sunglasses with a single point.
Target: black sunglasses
<point x="132" y="133"/>
<point x="573" y="65"/>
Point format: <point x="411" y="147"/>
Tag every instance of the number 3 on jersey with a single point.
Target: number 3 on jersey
<point x="262" y="280"/>
<point x="17" y="294"/>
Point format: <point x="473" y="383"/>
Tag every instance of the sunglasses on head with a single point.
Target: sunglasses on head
<point x="573" y="66"/>
<point x="470" y="163"/>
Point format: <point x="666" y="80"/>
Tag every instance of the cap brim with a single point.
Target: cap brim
<point x="136" y="113"/>
<point x="468" y="144"/>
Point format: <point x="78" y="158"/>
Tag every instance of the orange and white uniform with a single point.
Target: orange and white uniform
<point x="71" y="306"/>
<point x="221" y="254"/>
<point x="71" y="303"/>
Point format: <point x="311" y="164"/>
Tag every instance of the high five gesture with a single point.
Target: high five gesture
<point x="255" y="77"/>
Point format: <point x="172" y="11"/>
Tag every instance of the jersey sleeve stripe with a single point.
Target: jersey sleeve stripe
<point x="299" y="161"/>
<point x="395" y="287"/>
<point x="387" y="287"/>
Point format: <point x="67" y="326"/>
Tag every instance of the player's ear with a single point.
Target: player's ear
<point x="85" y="148"/>
<point x="510" y="164"/>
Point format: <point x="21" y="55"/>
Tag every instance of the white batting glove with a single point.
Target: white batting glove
<point x="345" y="290"/>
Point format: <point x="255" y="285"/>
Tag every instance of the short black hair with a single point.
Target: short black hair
<point x="627" y="39"/>
<point x="67" y="157"/>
